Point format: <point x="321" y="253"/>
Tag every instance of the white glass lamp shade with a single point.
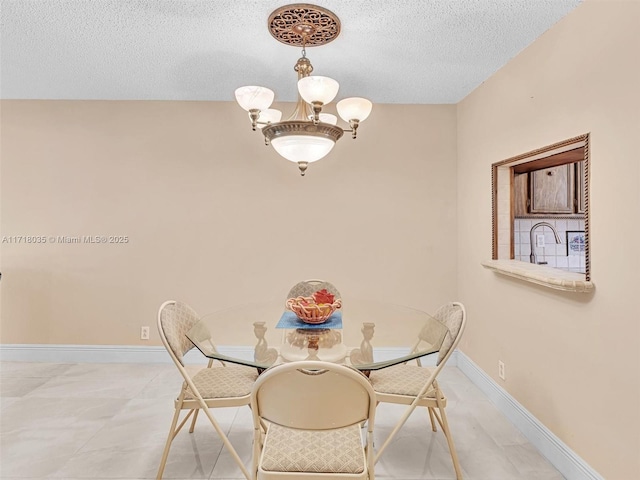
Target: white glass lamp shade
<point x="254" y="98"/>
<point x="328" y="118"/>
<point x="318" y="89"/>
<point x="302" y="148"/>
<point x="270" y="115"/>
<point x="354" y="108"/>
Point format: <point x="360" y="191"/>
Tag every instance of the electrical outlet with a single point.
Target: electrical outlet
<point x="540" y="240"/>
<point x="501" y="369"/>
<point x="144" y="333"/>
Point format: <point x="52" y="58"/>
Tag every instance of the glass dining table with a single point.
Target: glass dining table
<point x="366" y="334"/>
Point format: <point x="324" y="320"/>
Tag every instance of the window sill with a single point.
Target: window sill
<point x="541" y="275"/>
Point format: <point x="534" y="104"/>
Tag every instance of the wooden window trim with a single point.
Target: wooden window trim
<point x="522" y="163"/>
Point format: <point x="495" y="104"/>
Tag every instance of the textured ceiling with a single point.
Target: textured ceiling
<point x="419" y="51"/>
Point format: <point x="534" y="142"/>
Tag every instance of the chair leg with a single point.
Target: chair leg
<point x="370" y="455"/>
<point x="203" y="406"/>
<point x="193" y="422"/>
<point x="396" y="429"/>
<point x="224" y="439"/>
<point x="257" y="448"/>
<point x="263" y="426"/>
<point x="172" y="434"/>
<point x="447" y="433"/>
<point x="433" y="422"/>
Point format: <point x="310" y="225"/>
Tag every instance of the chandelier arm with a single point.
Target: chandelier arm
<point x="354" y="128"/>
<point x="254" y="113"/>
<point x="317" y="108"/>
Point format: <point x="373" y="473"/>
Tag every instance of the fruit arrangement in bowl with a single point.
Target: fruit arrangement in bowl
<point x="316" y="308"/>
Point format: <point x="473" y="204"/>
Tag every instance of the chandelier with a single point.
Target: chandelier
<point x="308" y="134"/>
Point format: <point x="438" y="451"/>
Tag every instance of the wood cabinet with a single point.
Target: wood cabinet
<point x="557" y="190"/>
<point x="552" y="190"/>
<point x="521" y="194"/>
<point x="580" y="190"/>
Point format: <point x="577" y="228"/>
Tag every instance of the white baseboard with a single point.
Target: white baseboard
<point x="139" y="354"/>
<point x="104" y="353"/>
<point x="559" y="454"/>
<point x="570" y="465"/>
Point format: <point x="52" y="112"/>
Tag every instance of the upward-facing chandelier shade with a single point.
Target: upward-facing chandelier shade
<point x="270" y="115"/>
<point x="308" y="134"/>
<point x="258" y="98"/>
<point x="318" y="89"/>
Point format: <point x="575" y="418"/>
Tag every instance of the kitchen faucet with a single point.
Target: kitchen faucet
<point x="532" y="257"/>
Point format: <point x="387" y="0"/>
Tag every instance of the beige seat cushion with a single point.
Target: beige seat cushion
<point x="402" y="380"/>
<point x="317" y="451"/>
<point x="224" y="382"/>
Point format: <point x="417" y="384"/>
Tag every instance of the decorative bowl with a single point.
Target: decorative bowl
<point x="307" y="310"/>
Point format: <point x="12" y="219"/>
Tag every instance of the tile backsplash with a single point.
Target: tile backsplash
<point x="568" y="255"/>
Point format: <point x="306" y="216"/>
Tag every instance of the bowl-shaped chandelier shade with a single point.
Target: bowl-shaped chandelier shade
<point x="302" y="141"/>
<point x="354" y="108"/>
<point x="317" y="89"/>
<point x="254" y="98"/>
<point x="328" y="118"/>
<point x="302" y="148"/>
<point x="270" y="115"/>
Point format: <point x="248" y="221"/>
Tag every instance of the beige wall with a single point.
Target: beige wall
<point x="571" y="359"/>
<point x="214" y="217"/>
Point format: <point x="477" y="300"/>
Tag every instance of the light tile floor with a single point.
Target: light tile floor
<point x="110" y="421"/>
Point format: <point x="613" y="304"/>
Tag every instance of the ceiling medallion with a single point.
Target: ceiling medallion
<point x="303" y="25"/>
<point x="308" y="134"/>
